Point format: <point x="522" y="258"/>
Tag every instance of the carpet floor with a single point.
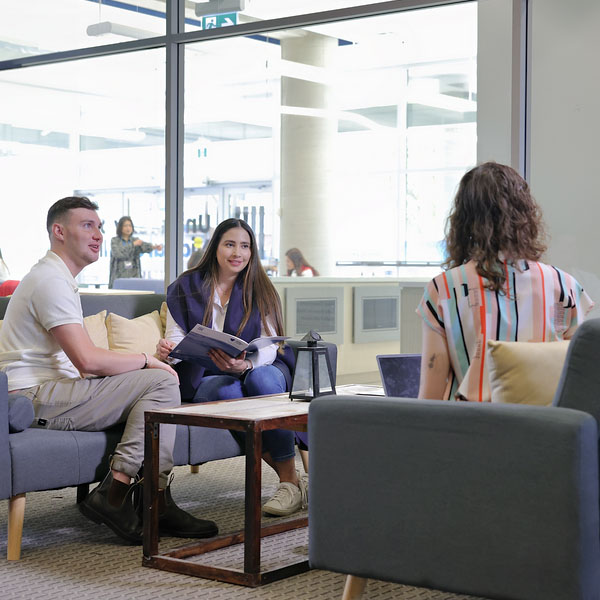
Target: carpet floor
<point x="66" y="556"/>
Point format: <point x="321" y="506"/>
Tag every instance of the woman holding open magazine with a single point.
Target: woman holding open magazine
<point x="229" y="291"/>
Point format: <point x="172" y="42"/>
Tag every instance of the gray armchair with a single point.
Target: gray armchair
<point x="499" y="501"/>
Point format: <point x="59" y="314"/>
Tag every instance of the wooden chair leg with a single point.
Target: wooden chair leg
<point x="194" y="468"/>
<point x="354" y="587"/>
<point x="16" y="515"/>
<point x="304" y="457"/>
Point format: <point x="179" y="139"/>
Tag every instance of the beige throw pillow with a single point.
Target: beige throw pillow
<point x="163" y="317"/>
<point x="96" y="327"/>
<point x="134" y="335"/>
<point x="525" y="372"/>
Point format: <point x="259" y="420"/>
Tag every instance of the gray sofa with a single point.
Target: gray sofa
<point x="499" y="501"/>
<point x="38" y="459"/>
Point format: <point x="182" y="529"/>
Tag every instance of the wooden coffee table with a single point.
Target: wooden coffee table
<point x="253" y="416"/>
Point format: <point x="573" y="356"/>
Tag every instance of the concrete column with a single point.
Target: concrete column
<point x="307" y="152"/>
<point x="498" y="83"/>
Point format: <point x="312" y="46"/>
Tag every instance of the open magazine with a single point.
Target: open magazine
<point x="197" y="343"/>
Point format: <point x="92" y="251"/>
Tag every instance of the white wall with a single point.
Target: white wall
<point x="563" y="124"/>
<point x="357" y="361"/>
<point x="565" y="132"/>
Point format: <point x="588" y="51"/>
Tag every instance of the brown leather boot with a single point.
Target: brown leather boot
<point x="122" y="518"/>
<point x="176" y="522"/>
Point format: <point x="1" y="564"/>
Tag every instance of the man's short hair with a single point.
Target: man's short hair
<point x="61" y="207"/>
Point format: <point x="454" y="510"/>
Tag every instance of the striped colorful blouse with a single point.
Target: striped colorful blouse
<point x="542" y="303"/>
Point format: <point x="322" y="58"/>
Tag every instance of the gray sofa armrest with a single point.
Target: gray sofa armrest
<point x="579" y="383"/>
<point x="5" y="462"/>
<point x="488" y="500"/>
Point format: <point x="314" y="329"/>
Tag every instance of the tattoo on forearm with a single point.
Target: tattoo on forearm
<point x="431" y="361"/>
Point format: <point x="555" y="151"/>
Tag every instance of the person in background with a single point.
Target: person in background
<point x="297" y="265"/>
<point x="494" y="287"/>
<point x="4" y="272"/>
<point x="49" y="357"/>
<point x="7" y="286"/>
<point x="125" y="250"/>
<point x="230" y="291"/>
<point x="195" y="258"/>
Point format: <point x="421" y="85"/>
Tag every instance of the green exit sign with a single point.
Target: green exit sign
<point x="224" y="20"/>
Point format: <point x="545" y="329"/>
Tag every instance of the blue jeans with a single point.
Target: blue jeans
<point x="279" y="443"/>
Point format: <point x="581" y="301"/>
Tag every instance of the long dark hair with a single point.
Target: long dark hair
<point x="256" y="285"/>
<point x="493" y="213"/>
<point x="122" y="222"/>
<point x="299" y="262"/>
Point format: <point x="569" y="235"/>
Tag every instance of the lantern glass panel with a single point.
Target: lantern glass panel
<point x="302" y="383"/>
<point x="324" y="379"/>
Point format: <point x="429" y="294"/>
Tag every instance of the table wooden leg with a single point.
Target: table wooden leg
<point x="175" y="561"/>
<point x="150" y="498"/>
<point x="252" y="505"/>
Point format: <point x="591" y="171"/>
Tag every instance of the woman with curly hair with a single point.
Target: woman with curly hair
<point x="494" y="288"/>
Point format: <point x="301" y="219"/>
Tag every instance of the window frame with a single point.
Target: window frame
<point x="174" y="43"/>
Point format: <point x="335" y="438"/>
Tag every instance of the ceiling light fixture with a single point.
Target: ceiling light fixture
<point x="215" y="7"/>
<point x="106" y="27"/>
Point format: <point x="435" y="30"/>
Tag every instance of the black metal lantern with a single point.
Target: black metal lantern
<point x="313" y="375"/>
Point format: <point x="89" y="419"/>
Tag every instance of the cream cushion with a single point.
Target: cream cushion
<point x="163" y="317"/>
<point x="96" y="328"/>
<point x="525" y="372"/>
<point x="134" y="335"/>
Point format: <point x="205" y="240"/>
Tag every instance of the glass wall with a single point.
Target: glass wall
<point x="345" y="139"/>
<point x="362" y="126"/>
<point x="37" y="27"/>
<point x="90" y="127"/>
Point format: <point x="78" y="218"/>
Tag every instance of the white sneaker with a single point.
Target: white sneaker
<point x="287" y="500"/>
<point x="303" y="485"/>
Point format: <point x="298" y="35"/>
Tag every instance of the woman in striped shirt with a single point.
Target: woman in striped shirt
<point x="494" y="287"/>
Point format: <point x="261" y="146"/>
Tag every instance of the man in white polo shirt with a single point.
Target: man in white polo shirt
<point x="49" y="357"/>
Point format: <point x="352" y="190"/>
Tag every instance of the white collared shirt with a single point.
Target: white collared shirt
<point x="47" y="297"/>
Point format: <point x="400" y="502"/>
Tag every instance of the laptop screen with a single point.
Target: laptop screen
<point x="400" y="374"/>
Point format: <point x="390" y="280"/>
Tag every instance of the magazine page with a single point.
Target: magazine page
<point x="197" y="343"/>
